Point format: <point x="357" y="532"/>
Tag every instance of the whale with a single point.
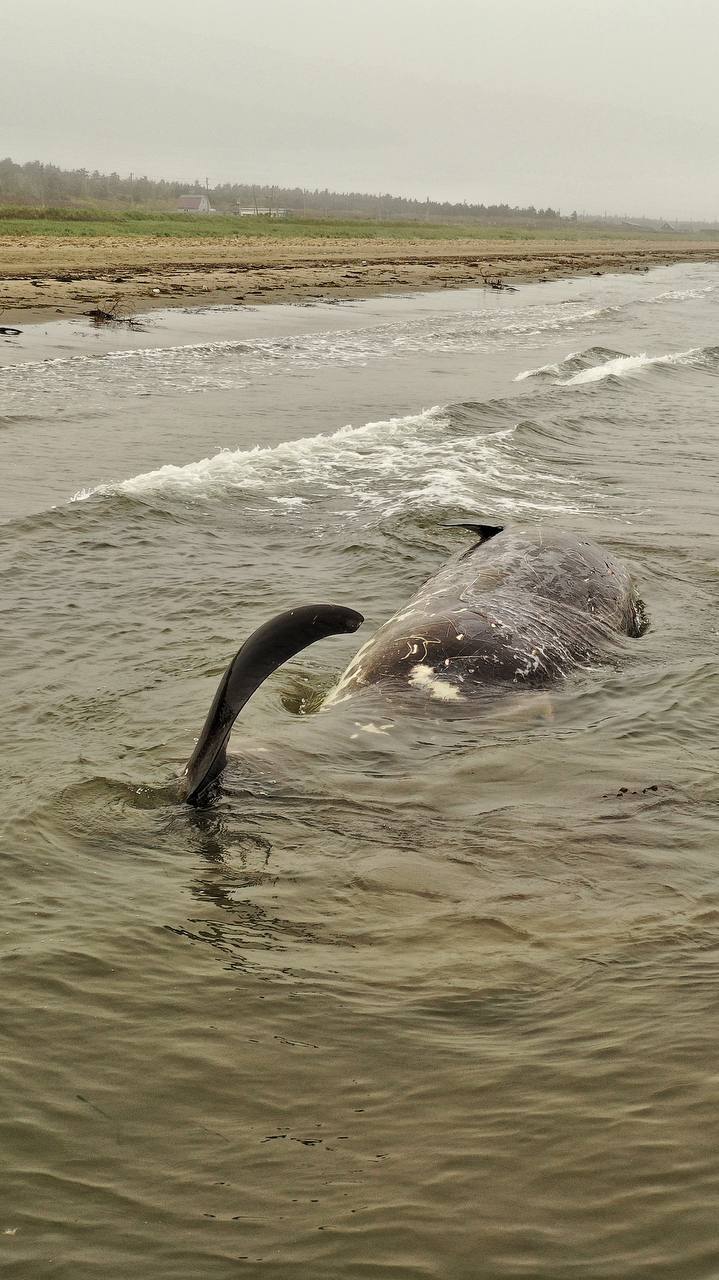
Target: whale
<point x="518" y="608"/>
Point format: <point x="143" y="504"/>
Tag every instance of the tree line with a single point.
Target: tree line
<point x="35" y="183"/>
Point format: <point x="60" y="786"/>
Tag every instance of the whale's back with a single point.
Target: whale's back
<point x="522" y="607"/>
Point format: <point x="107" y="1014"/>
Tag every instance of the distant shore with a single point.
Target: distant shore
<point x="48" y="277"/>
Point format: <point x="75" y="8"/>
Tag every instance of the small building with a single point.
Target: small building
<point x="194" y="204"/>
<point x="260" y="212"/>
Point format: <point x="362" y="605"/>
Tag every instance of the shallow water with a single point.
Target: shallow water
<point x="423" y="994"/>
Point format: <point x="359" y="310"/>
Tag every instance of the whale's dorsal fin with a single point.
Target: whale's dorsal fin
<point x="483" y="531"/>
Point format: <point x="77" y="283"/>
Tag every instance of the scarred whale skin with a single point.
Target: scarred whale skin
<point x="520" y="607"/>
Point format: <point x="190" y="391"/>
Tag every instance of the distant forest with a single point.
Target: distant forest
<point x="35" y="183"/>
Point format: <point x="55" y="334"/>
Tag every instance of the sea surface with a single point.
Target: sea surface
<point x="420" y="996"/>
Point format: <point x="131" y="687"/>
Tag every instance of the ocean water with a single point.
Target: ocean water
<point x="419" y="996"/>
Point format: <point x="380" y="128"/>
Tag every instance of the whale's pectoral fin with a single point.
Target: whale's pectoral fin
<point x="483" y="531"/>
<point x="267" y="648"/>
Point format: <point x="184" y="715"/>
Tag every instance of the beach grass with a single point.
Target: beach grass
<point x="94" y="223"/>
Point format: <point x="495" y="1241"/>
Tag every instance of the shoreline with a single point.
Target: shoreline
<point x="49" y="278"/>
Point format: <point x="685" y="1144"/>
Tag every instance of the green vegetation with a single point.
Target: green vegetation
<point x="42" y="199"/>
<point x="42" y="221"/>
<point x="35" y="183"/>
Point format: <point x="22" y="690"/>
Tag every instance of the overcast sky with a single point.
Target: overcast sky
<point x="571" y="103"/>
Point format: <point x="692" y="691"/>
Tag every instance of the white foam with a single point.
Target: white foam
<point x="544" y="368"/>
<point x="619" y="367"/>
<point x="622" y="366"/>
<point x="412" y="463"/>
<point x="374" y="446"/>
<point x="226" y="364"/>
<point x="418" y="462"/>
<point x="682" y="295"/>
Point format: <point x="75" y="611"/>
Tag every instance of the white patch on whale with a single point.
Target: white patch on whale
<point x="423" y="677"/>
<point x="371" y="727"/>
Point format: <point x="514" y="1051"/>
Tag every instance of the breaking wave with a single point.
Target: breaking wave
<point x="427" y="460"/>
<point x="598" y="363"/>
<point x="682" y="295"/>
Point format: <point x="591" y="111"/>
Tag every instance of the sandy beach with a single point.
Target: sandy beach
<point x="45" y="277"/>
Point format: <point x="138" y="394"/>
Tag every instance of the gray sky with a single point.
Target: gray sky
<point x="586" y="104"/>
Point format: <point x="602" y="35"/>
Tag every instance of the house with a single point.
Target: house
<point x="194" y="204"/>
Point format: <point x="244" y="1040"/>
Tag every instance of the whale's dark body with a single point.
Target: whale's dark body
<point x="518" y="608"/>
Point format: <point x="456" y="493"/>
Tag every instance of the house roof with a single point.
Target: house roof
<point x="191" y="202"/>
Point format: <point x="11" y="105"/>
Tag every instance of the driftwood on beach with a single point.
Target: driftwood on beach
<point x="496" y="282"/>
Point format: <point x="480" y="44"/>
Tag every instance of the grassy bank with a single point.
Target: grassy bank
<point x="94" y="223"/>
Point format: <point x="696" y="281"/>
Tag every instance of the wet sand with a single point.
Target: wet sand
<point x="43" y="277"/>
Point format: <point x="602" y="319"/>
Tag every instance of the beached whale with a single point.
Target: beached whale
<point x="517" y="608"/>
